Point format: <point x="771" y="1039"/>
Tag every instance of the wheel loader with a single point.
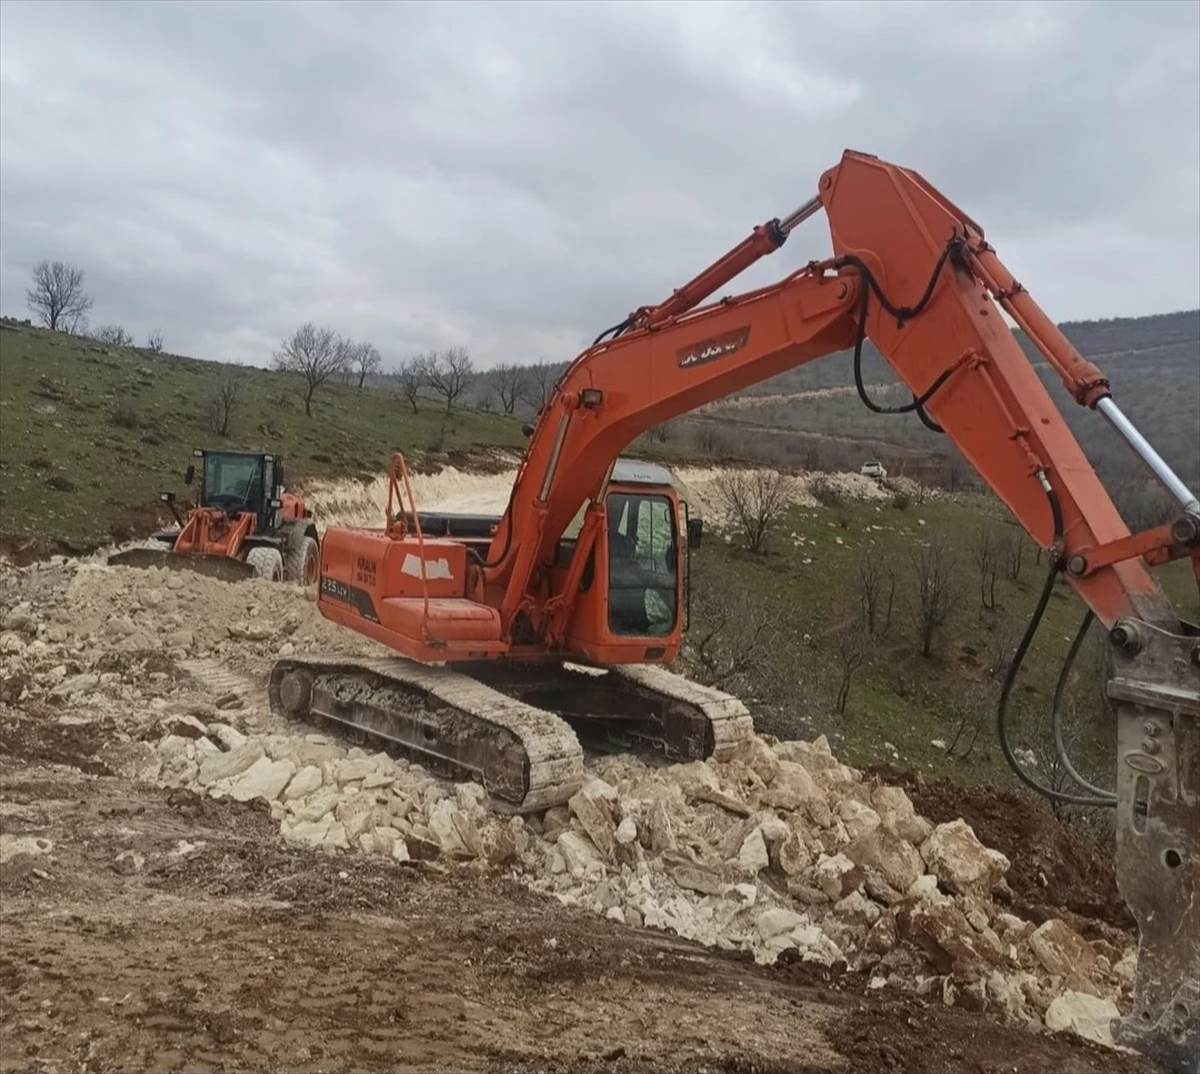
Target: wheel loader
<point x="244" y="525"/>
<point x="509" y="635"/>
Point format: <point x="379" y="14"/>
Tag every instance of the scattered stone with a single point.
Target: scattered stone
<point x="752" y="856"/>
<point x="961" y="862"/>
<point x="228" y="737"/>
<point x="1086" y="1016"/>
<point x="1061" y="950"/>
<point x="221" y="766"/>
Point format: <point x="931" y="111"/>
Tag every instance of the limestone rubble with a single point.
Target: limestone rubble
<point x="782" y="852"/>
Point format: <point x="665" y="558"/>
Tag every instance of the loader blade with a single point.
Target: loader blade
<point x="223" y="568"/>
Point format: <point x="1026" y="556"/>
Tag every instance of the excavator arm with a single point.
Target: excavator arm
<point x="915" y="275"/>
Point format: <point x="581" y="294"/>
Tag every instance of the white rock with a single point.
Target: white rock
<point x="753" y="857"/>
<point x="304" y="782"/>
<point x="578" y="853"/>
<point x="1086" y="1016"/>
<point x="12" y="846"/>
<point x="263" y="779"/>
<point x="313" y="809"/>
<point x="776" y="922"/>
<point x="626" y="831"/>
<point x="221" y="766"/>
<point x="308" y="832"/>
<point x="961" y="862"/>
<point x="858" y="818"/>
<point x="230" y="738"/>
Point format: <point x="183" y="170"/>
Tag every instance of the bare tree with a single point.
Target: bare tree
<point x="154" y="342"/>
<point x="987" y="559"/>
<point x="756" y="501"/>
<point x="727" y="638"/>
<point x="448" y="373"/>
<point x="1012" y="548"/>
<point x="316" y="354"/>
<point x="224" y="398"/>
<point x="364" y="360"/>
<point x="57" y="296"/>
<point x="935" y="590"/>
<point x="113" y="335"/>
<point x="511" y="384"/>
<point x="1003" y="635"/>
<point x="876" y="581"/>
<point x="539" y="383"/>
<point x="851" y="648"/>
<point x="410" y="376"/>
<point x="662" y="431"/>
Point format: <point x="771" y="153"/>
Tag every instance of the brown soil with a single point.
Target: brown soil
<point x="213" y="946"/>
<point x="1054" y="867"/>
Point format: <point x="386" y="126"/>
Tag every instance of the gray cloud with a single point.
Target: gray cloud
<point x="517" y="176"/>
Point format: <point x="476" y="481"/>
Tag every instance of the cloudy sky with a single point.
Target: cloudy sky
<point x="514" y="177"/>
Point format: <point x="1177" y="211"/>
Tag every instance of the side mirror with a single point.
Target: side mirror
<point x="527" y="430"/>
<point x="695" y="530"/>
<point x="189" y="475"/>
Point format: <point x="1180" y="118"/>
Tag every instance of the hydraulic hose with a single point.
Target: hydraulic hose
<point x="1060" y="748"/>
<point x="1010" y="676"/>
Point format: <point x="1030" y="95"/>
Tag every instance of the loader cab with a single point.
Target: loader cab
<point x="239" y="481"/>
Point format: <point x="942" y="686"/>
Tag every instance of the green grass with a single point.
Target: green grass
<point x="897" y="697"/>
<point x="90" y="434"/>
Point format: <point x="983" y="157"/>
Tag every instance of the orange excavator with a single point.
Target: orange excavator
<point x="514" y="635"/>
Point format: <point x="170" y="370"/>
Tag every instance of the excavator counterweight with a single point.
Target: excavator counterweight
<point x="520" y="635"/>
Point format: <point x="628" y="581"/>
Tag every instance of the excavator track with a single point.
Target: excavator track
<point x="632" y="707"/>
<point x="525" y="758"/>
<point x="511" y="728"/>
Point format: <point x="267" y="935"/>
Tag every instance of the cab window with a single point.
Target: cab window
<point x="642" y="574"/>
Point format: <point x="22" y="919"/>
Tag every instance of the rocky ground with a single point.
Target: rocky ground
<point x="189" y="882"/>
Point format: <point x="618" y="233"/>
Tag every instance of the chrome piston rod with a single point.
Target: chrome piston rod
<point x="1153" y="460"/>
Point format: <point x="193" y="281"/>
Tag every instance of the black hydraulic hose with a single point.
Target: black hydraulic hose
<point x="1056" y="713"/>
<point x="615" y="331"/>
<point x="1010" y="676"/>
<point x="902" y="314"/>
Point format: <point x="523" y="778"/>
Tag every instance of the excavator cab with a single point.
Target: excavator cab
<point x="637" y="611"/>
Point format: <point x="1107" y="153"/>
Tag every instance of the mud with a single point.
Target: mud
<point x="227" y="950"/>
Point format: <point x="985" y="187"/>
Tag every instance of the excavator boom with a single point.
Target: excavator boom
<point x="914" y="275"/>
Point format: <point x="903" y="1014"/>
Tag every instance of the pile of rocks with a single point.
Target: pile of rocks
<point x="781" y="851"/>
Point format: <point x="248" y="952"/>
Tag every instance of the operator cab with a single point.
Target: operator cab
<point x="239" y="481"/>
<point x="644" y="565"/>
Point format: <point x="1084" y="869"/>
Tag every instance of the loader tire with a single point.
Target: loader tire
<point x="303" y="562"/>
<point x="267" y="563"/>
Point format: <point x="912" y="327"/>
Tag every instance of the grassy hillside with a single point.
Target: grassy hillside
<point x="90" y="434"/>
<point x="788" y="618"/>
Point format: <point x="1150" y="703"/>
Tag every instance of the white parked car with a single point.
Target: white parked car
<point x="874" y="469"/>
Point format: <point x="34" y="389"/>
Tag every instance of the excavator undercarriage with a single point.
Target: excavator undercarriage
<point x="511" y="728"/>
